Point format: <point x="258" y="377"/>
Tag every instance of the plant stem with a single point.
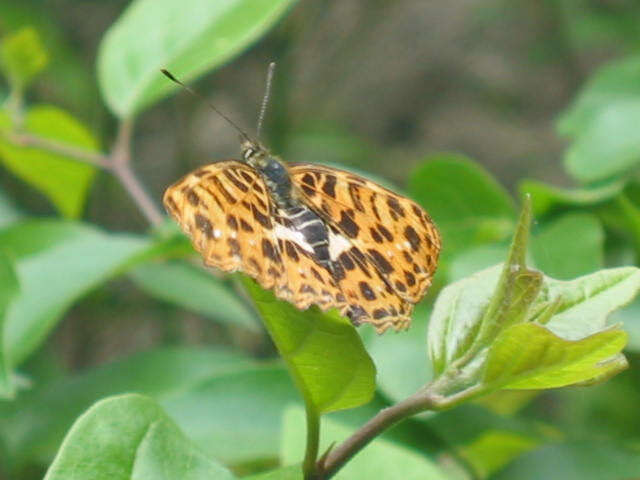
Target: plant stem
<point x="313" y="443"/>
<point x="118" y="162"/>
<point x="79" y="154"/>
<point x="428" y="398"/>
<point x="120" y="166"/>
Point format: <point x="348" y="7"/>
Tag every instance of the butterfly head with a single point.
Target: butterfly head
<point x="254" y="153"/>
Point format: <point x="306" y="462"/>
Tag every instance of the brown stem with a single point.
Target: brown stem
<point x="384" y="419"/>
<point x="428" y="398"/>
<point x="118" y="162"/>
<point x="120" y="166"/>
<point x="80" y="154"/>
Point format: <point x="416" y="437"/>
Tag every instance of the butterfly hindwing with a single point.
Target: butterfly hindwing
<point x="369" y="297"/>
<point x="394" y="233"/>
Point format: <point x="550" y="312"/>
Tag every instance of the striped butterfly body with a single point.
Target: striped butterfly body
<point x="312" y="234"/>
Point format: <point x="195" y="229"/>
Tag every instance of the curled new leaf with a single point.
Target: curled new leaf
<point x="22" y="57"/>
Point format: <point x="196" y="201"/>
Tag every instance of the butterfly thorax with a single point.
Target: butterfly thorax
<point x="295" y="215"/>
<point x="273" y="172"/>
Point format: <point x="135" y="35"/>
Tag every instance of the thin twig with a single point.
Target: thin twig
<point x="118" y="162"/>
<point x="428" y="398"/>
<point x="120" y="166"/>
<point x="79" y="154"/>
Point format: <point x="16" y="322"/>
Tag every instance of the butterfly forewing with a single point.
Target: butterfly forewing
<point x="393" y="232"/>
<point x="226" y="210"/>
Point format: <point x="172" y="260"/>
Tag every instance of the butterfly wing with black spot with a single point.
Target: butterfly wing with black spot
<point x="369" y="298"/>
<point x="393" y="232"/>
<point x="226" y="210"/>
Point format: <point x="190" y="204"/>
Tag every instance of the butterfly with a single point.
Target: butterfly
<point x="313" y="234"/>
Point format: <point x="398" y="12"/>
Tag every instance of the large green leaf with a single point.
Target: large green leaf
<point x="56" y="263"/>
<point x="323" y="351"/>
<point x="466" y="203"/>
<point x="236" y="417"/>
<point x="63" y="180"/>
<point x="629" y="316"/>
<point x="575" y="461"/>
<point x="127" y="437"/>
<point x="545" y="198"/>
<point x="8" y="290"/>
<point x="9" y="213"/>
<point x="608" y="146"/>
<point x="32" y="427"/>
<point x="475" y="259"/>
<point x="617" y="82"/>
<point x="293" y="472"/>
<point x="380" y="459"/>
<point x="188" y="37"/>
<point x="195" y="289"/>
<point x="494" y="449"/>
<point x="570" y="246"/>
<point x="406" y="353"/>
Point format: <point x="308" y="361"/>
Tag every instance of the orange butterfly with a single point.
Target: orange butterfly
<point x="313" y="234"/>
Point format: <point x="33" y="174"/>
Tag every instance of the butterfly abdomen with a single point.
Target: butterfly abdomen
<point x="312" y="230"/>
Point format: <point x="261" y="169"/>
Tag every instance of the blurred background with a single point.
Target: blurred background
<point x="376" y="86"/>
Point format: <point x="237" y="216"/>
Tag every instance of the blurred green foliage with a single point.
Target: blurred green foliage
<point x="551" y="315"/>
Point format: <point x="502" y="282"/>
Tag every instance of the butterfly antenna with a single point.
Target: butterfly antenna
<point x="265" y="99"/>
<point x="170" y="76"/>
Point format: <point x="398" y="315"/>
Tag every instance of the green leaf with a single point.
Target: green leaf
<point x="126" y="437"/>
<point x="570" y="246"/>
<point x="57" y="262"/>
<point x="22" y="57"/>
<point x="194" y="289"/>
<point x="475" y="259"/>
<point x="494" y="449"/>
<point x="517" y="287"/>
<point x="575" y="461"/>
<point x="9" y="213"/>
<point x="582" y="306"/>
<point x="187" y="37"/>
<point x="623" y="216"/>
<point x="530" y="356"/>
<point x="32" y="427"/>
<point x="323" y="351"/>
<point x="608" y="146"/>
<point x="629" y="317"/>
<point x="380" y="459"/>
<point x="63" y="180"/>
<point x="293" y="472"/>
<point x="9" y="288"/>
<point x="466" y="203"/>
<point x="456" y="315"/>
<point x="617" y="82"/>
<point x="546" y="198"/>
<point x="236" y="417"/>
<point x="406" y="353"/>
